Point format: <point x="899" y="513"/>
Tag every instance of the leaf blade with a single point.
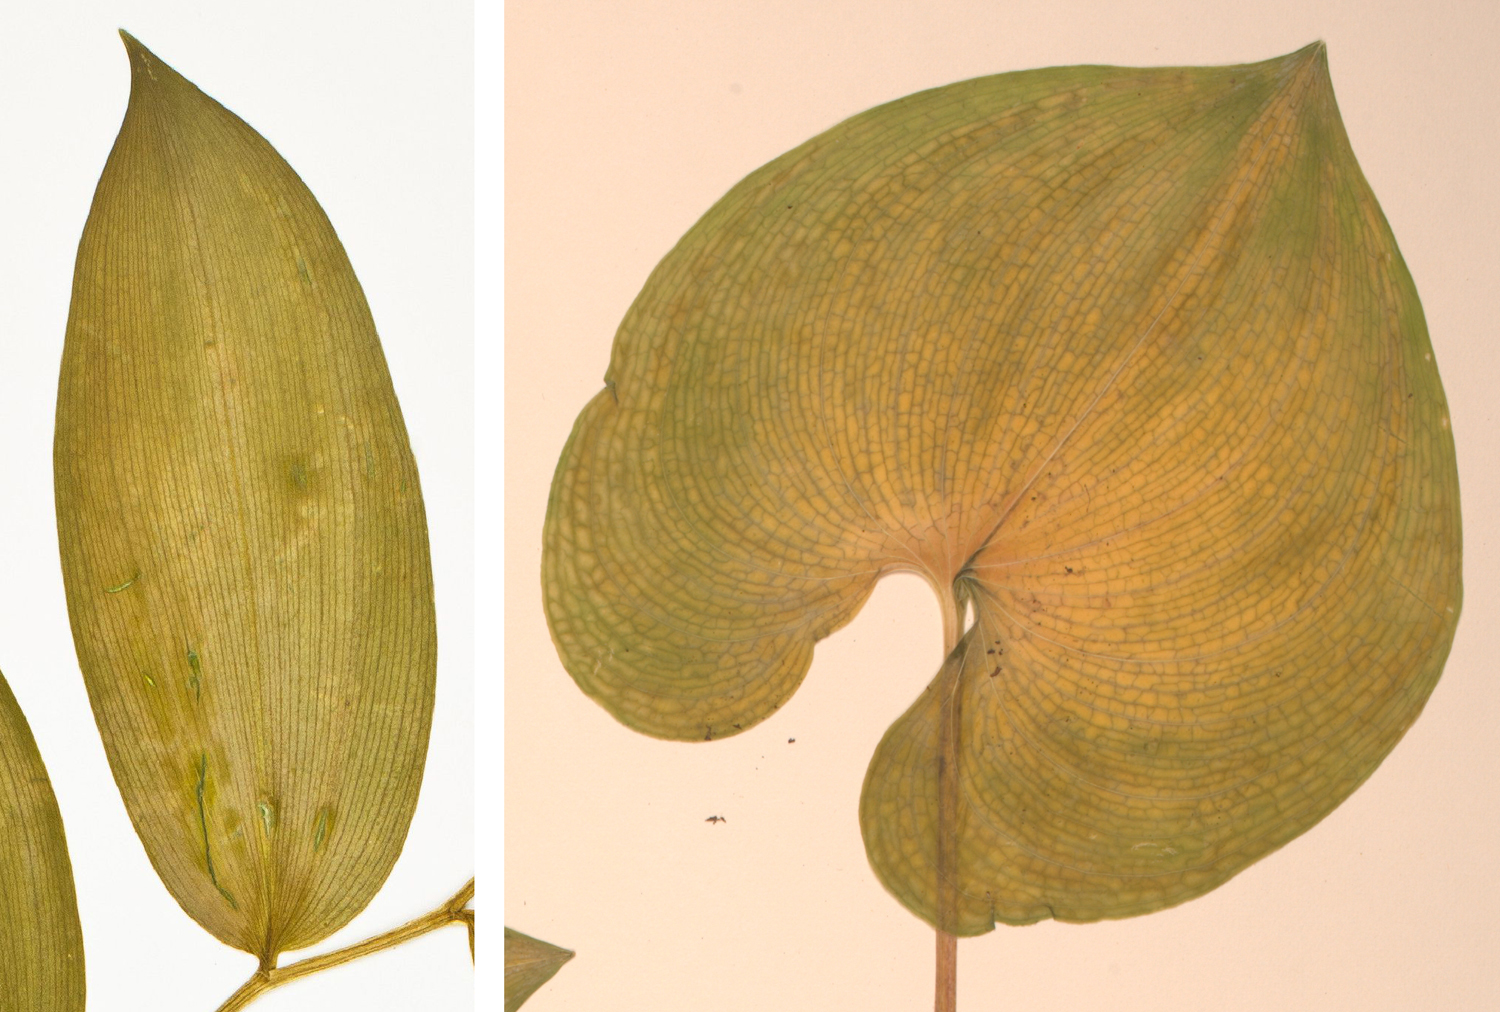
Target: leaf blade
<point x="529" y="963"/>
<point x="41" y="949"/>
<point x="1126" y="357"/>
<point x="242" y="533"/>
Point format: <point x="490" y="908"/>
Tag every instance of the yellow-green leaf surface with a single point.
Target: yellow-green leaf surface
<point x="41" y="945"/>
<point x="529" y="963"/>
<point x="242" y="532"/>
<point x="1124" y="361"/>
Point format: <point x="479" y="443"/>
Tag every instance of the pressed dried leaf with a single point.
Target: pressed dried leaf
<point x="529" y="963"/>
<point x="242" y="532"/>
<point x="1127" y="362"/>
<point x="41" y="944"/>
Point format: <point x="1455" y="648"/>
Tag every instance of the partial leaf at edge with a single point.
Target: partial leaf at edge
<point x="1126" y="358"/>
<point x="242" y="532"/>
<point x="41" y="943"/>
<point x="529" y="963"/>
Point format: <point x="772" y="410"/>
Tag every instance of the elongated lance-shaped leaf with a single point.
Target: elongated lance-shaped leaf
<point x="529" y="963"/>
<point x="242" y="533"/>
<point x="41" y="944"/>
<point x="1125" y="360"/>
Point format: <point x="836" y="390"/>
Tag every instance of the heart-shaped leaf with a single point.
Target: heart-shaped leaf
<point x="1124" y="360"/>
<point x="529" y="963"/>
<point x="243" y="539"/>
<point x="41" y="944"/>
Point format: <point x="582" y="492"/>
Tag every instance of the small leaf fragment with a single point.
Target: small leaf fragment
<point x="242" y="536"/>
<point x="1127" y="361"/>
<point x="529" y="963"/>
<point x="41" y="943"/>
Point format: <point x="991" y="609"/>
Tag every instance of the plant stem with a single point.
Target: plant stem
<point x="945" y="995"/>
<point x="268" y="977"/>
<point x="945" y="998"/>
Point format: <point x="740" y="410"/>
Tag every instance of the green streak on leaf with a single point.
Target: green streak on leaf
<point x="123" y="586"/>
<point x="208" y="857"/>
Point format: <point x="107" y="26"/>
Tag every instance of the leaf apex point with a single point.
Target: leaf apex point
<point x="1315" y="53"/>
<point x="133" y="45"/>
<point x="1305" y="71"/>
<point x="141" y="59"/>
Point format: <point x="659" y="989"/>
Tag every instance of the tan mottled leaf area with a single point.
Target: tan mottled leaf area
<point x="242" y="532"/>
<point x="1126" y="360"/>
<point x="529" y="963"/>
<point x="41" y="944"/>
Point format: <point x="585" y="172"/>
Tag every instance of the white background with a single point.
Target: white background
<point x="625" y="122"/>
<point x="372" y="104"/>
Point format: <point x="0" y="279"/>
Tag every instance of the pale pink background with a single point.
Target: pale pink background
<point x="624" y="123"/>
